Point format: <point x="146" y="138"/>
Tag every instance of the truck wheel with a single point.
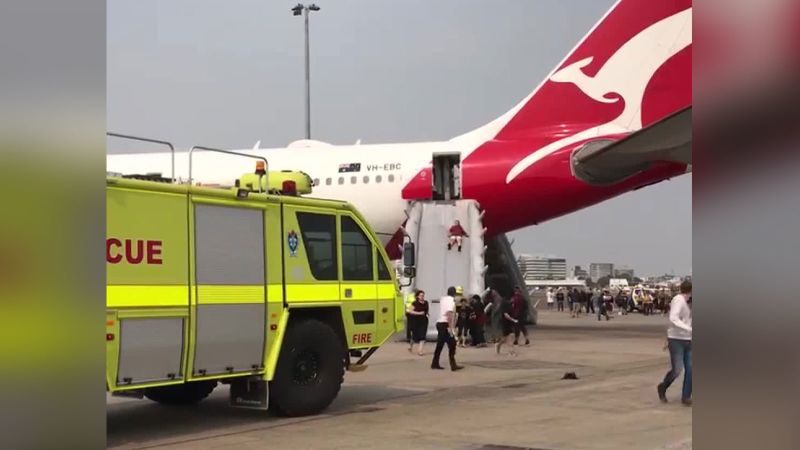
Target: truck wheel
<point x="181" y="394"/>
<point x="310" y="370"/>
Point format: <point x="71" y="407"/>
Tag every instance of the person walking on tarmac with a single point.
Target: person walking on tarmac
<point x="588" y="298"/>
<point x="622" y="302"/>
<point x="455" y="235"/>
<point x="418" y="321"/>
<point x="493" y="301"/>
<point x="560" y="299"/>
<point x="647" y="301"/>
<point x="519" y="307"/>
<point x="509" y="324"/>
<point x="463" y="311"/>
<point x="409" y="300"/>
<point x="679" y="342"/>
<point x="577" y="303"/>
<point x="604" y="303"/>
<point x="445" y="328"/>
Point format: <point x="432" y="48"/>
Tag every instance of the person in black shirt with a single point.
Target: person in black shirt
<point x="509" y="324"/>
<point x="418" y="321"/>
<point x="604" y="304"/>
<point x="519" y="308"/>
<point x="622" y="302"/>
<point x="588" y="300"/>
<point x="560" y="300"/>
<point x="477" y="321"/>
<point x="576" y="300"/>
<point x="463" y="311"/>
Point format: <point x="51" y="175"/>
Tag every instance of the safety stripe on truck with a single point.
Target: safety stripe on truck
<point x="224" y="295"/>
<point x="387" y="291"/>
<point x="318" y="292"/>
<point x="127" y="296"/>
<point x="138" y="296"/>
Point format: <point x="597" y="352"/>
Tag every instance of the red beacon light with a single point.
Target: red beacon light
<point x="289" y="187"/>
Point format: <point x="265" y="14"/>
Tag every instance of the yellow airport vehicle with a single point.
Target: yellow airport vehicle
<point x="271" y="294"/>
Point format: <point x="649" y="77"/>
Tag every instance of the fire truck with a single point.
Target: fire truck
<point x="251" y="285"/>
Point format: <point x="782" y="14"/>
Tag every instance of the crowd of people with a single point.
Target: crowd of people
<point x="477" y="320"/>
<point x="468" y="321"/>
<point x="648" y="302"/>
<point x="604" y="302"/>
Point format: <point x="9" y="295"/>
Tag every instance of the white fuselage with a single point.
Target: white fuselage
<point x="635" y="72"/>
<point x="375" y="189"/>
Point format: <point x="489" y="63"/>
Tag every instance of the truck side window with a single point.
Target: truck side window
<point x="318" y="234"/>
<point x="383" y="271"/>
<point x="356" y="252"/>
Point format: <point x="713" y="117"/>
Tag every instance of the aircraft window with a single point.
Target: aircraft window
<point x="316" y="181"/>
<point x="341" y="180"/>
<point x="378" y="178"/>
<point x="391" y="178"/>
<point x="327" y="182"/>
<point x="366" y="179"/>
<point x="353" y="180"/>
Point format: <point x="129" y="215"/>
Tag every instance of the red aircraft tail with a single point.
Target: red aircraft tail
<point x="631" y="69"/>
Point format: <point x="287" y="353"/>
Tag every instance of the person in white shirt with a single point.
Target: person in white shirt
<point x="679" y="341"/>
<point x="445" y="327"/>
<point x="550" y="298"/>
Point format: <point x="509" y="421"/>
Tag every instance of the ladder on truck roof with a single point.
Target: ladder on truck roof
<point x="149" y="176"/>
<point x="172" y="179"/>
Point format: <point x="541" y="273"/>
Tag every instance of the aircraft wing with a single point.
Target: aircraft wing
<point x="608" y="162"/>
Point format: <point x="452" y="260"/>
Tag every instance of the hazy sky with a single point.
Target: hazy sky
<point x="229" y="73"/>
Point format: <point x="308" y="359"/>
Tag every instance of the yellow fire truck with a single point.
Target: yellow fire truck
<point x="266" y="291"/>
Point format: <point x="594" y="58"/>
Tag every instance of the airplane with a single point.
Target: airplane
<point x="613" y="116"/>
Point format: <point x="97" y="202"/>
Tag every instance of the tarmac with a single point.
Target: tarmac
<point x="496" y="402"/>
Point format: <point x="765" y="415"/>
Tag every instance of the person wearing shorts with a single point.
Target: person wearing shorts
<point x="508" y="326"/>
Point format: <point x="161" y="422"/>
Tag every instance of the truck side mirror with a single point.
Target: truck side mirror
<point x="409" y="254"/>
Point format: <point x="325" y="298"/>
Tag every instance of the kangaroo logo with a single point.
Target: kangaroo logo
<point x="623" y="77"/>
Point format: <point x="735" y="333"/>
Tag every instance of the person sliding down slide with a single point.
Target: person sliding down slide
<point x="456" y="235"/>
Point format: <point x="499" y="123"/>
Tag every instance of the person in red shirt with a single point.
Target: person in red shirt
<point x="455" y="235"/>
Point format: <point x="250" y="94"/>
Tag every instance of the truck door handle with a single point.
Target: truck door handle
<point x="348" y="293"/>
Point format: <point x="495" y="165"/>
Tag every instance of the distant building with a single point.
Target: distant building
<point x="600" y="270"/>
<point x="542" y="268"/>
<point x="623" y="272"/>
<point x="579" y="273"/>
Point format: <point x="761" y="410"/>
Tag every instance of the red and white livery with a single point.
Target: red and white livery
<point x="610" y="118"/>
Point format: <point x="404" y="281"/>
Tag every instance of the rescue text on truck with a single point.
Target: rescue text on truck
<point x="250" y="285"/>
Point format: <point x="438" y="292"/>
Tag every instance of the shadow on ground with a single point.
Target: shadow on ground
<point x="138" y="423"/>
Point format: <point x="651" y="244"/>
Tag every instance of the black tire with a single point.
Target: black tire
<point x="181" y="394"/>
<point x="310" y="370"/>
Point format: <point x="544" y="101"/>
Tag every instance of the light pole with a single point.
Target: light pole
<point x="296" y="11"/>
